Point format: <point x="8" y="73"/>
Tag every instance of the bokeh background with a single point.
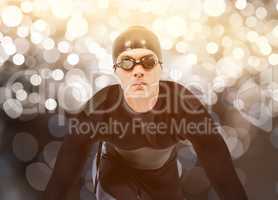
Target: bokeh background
<point x="56" y="54"/>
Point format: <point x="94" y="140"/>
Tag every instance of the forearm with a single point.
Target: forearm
<point x="67" y="170"/>
<point x="216" y="160"/>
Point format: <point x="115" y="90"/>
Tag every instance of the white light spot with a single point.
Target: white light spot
<point x="50" y="104"/>
<point x="261" y="13"/>
<point x="73" y="59"/>
<point x="238" y="53"/>
<point x="212" y="48"/>
<point x="35" y="79"/>
<point x="64" y="47"/>
<point x="26" y="6"/>
<point x="11" y="16"/>
<point x="57" y="74"/>
<point x="241" y="4"/>
<point x="48" y="44"/>
<point x="214" y="7"/>
<point x="18" y="59"/>
<point x="273" y="59"/>
<point x="21" y="95"/>
<point x="13" y="108"/>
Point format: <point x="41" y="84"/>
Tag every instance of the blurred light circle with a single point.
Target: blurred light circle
<point x="73" y="59"/>
<point x="9" y="47"/>
<point x="273" y="59"/>
<point x="214" y="7"/>
<point x="26" y="6"/>
<point x="212" y="48"/>
<point x="229" y="67"/>
<point x="39" y="26"/>
<point x="11" y="16"/>
<point x="241" y="4"/>
<point x="62" y="9"/>
<point x="35" y="79"/>
<point x="64" y="47"/>
<point x="50" y="152"/>
<point x="67" y="100"/>
<point x="275" y="31"/>
<point x="79" y="21"/>
<point x="251" y="21"/>
<point x="50" y="104"/>
<point x="51" y="56"/>
<point x="274" y="137"/>
<point x="23" y="31"/>
<point x="13" y="108"/>
<point x="57" y="74"/>
<point x="18" y="59"/>
<point x="25" y="147"/>
<point x="57" y="126"/>
<point x="21" y="95"/>
<point x="34" y="98"/>
<point x="261" y="13"/>
<point x="196" y="181"/>
<point x="17" y="86"/>
<point x="238" y="53"/>
<point x="36" y="37"/>
<point x="48" y="43"/>
<point x="38" y="175"/>
<point x="252" y="36"/>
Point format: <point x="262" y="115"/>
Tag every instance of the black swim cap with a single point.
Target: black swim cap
<point x="136" y="37"/>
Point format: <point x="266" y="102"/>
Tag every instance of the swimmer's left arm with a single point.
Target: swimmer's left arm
<point x="213" y="153"/>
<point x="216" y="160"/>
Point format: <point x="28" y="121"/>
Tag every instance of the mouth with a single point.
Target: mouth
<point x="139" y="83"/>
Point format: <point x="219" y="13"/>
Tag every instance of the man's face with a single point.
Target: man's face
<point x="138" y="82"/>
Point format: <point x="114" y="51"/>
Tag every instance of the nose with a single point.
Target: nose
<point x="138" y="71"/>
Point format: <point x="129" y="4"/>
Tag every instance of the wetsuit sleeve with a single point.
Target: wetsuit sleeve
<point x="211" y="150"/>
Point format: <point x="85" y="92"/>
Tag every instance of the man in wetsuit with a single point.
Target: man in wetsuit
<point x="140" y="121"/>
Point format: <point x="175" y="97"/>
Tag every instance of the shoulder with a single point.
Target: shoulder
<point x="101" y="98"/>
<point x="176" y="88"/>
<point x="188" y="99"/>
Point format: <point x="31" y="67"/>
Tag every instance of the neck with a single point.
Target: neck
<point x="143" y="104"/>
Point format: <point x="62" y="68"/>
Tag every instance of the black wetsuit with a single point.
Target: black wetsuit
<point x="180" y="112"/>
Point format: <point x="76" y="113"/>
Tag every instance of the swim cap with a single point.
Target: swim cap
<point x="136" y="37"/>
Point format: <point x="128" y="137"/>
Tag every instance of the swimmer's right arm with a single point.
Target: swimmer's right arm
<point x="70" y="160"/>
<point x="68" y="167"/>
